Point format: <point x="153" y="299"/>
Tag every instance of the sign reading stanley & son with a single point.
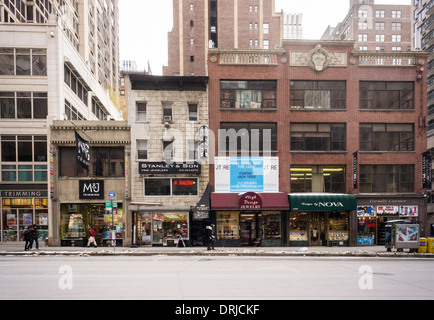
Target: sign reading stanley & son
<point x="169" y="168"/>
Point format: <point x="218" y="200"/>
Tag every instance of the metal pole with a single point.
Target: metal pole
<point x="113" y="228"/>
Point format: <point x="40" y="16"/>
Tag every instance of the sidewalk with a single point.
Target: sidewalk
<point x="374" y="251"/>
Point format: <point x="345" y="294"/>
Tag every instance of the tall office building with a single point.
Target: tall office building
<point x="374" y="27"/>
<point x="226" y="24"/>
<point x="57" y="61"/>
<point x="292" y="26"/>
<point x="423" y="39"/>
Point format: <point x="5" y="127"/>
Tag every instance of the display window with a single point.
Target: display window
<point x="167" y="228"/>
<point x="298" y="233"/>
<point x="338" y="226"/>
<point x="75" y="220"/>
<point x="228" y="225"/>
<point x="271" y="225"/>
<point x="21" y="213"/>
<point x="367" y="227"/>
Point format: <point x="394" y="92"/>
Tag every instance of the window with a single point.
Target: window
<point x="363" y="25"/>
<point x="266" y="44"/>
<point x="318" y="95"/>
<point x="318" y="179"/>
<point x="318" y="137"/>
<point x="23" y="62"/>
<point x="167" y="111"/>
<point x="379" y="37"/>
<point x="104" y="162"/>
<point x="141" y="111"/>
<point x="362" y="13"/>
<point x="192" y="112"/>
<point x="379" y="25"/>
<point x="248" y="94"/>
<point x="396" y="14"/>
<point x="23" y="105"/>
<point x="23" y="158"/>
<point x="396" y="25"/>
<point x="171" y="186"/>
<point x="396" y="38"/>
<point x="386" y="178"/>
<point x="379" y="13"/>
<point x="76" y="85"/>
<point x="386" y="137"/>
<point x="362" y="37"/>
<point x="236" y="137"/>
<point x="167" y="151"/>
<point x="266" y="28"/>
<point x="386" y="95"/>
<point x="142" y="149"/>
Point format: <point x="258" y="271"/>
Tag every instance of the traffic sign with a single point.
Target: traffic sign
<point x="111" y="195"/>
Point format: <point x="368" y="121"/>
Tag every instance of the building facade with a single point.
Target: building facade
<point x="423" y="38"/>
<point x="316" y="143"/>
<point x="42" y="74"/>
<point x="169" y="168"/>
<point x="199" y="25"/>
<point x="375" y="27"/>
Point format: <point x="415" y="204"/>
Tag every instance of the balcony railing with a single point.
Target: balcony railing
<point x="389" y="58"/>
<point x="246" y="57"/>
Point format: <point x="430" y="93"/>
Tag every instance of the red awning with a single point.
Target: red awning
<point x="230" y="201"/>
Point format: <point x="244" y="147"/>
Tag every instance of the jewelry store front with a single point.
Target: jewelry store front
<point x="321" y="219"/>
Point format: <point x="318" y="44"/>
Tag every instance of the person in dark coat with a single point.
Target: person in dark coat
<point x="210" y="237"/>
<point x="34" y="232"/>
<point x="28" y="238"/>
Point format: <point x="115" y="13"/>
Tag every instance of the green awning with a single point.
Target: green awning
<point x="322" y="202"/>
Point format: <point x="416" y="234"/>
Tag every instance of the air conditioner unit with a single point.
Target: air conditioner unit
<point x="167" y="118"/>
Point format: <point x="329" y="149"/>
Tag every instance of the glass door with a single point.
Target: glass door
<point x="317" y="229"/>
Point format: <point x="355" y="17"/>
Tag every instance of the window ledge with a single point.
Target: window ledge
<point x="381" y="152"/>
<point x="387" y="110"/>
<point x="249" y="110"/>
<point x="316" y="110"/>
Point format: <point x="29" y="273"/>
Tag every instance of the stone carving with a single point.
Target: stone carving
<point x="318" y="59"/>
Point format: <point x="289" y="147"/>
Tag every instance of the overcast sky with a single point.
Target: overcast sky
<point x="144" y="25"/>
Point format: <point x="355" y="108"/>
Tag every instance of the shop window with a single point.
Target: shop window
<point x="168" y="227"/>
<point x="386" y="95"/>
<point x="318" y="95"/>
<point x="171" y="187"/>
<point x="271" y="225"/>
<point x="318" y="137"/>
<point x="298" y="228"/>
<point x="386" y="137"/>
<point x="228" y="225"/>
<point x="248" y="94"/>
<point x="320" y="179"/>
<point x="338" y="226"/>
<point x="386" y="178"/>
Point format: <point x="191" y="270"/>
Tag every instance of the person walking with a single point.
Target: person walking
<point x="28" y="238"/>
<point x="92" y="235"/>
<point x="210" y="237"/>
<point x="34" y="232"/>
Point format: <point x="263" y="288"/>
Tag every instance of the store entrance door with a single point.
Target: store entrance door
<point x="317" y="229"/>
<point x="249" y="228"/>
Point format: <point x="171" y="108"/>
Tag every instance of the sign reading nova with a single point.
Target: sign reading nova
<point x="322" y="202"/>
<point x="246" y="174"/>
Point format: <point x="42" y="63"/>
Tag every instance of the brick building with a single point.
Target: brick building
<point x="199" y="25"/>
<point x="326" y="145"/>
<point x="376" y="27"/>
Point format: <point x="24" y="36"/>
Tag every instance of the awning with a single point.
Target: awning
<point x="322" y="202"/>
<point x="231" y="201"/>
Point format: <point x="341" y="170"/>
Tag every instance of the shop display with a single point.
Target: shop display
<point x="74" y="226"/>
<point x="170" y="226"/>
<point x="271" y="225"/>
<point x="227" y="226"/>
<point x="298" y="235"/>
<point x="338" y="235"/>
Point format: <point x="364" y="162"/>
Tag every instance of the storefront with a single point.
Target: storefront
<point x="373" y="211"/>
<point x="249" y="219"/>
<point x="320" y="219"/>
<point x="161" y="228"/>
<point x="21" y="209"/>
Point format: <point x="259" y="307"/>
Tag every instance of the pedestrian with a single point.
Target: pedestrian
<point x="34" y="232"/>
<point x="92" y="235"/>
<point x="210" y="237"/>
<point x="28" y="238"/>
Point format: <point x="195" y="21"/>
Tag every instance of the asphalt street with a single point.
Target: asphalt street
<point x="215" y="278"/>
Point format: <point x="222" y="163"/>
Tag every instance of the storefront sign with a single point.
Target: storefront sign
<point x="322" y="202"/>
<point x="165" y="168"/>
<point x="91" y="189"/>
<point x="355" y="170"/>
<point x="408" y="211"/>
<point x="23" y="194"/>
<point x="366" y="211"/>
<point x="388" y="210"/>
<point x="246" y="174"/>
<point x="250" y="201"/>
<point x="426" y="170"/>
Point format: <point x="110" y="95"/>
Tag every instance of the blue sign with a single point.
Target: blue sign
<point x="247" y="174"/>
<point x="111" y="195"/>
